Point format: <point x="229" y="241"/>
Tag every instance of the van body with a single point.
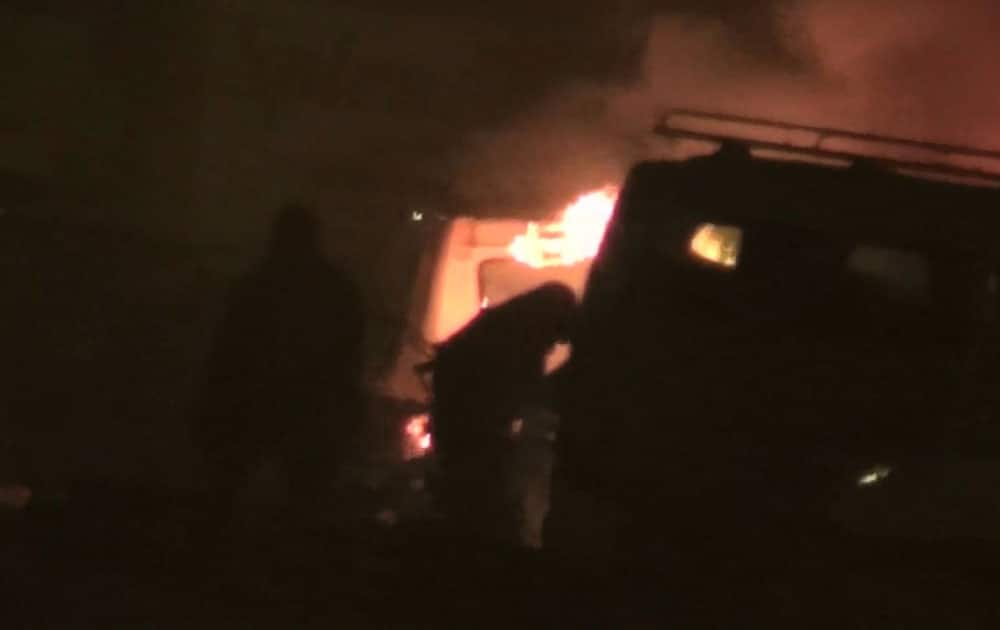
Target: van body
<point x="787" y="362"/>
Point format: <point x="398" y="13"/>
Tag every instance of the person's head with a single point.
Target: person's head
<point x="551" y="308"/>
<point x="296" y="231"/>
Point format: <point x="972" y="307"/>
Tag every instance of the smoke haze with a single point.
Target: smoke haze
<point x="914" y="68"/>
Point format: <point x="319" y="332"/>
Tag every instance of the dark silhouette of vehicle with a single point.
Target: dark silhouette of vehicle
<point x="781" y="401"/>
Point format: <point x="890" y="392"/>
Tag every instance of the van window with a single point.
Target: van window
<point x="899" y="274"/>
<point x="782" y="273"/>
<point x="502" y="279"/>
<point x="717" y="244"/>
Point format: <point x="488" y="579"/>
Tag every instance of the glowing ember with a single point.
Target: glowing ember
<point x="875" y="475"/>
<point x="418" y="436"/>
<point x="417" y="426"/>
<point x="574" y="238"/>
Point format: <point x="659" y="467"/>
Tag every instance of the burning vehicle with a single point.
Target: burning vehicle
<point x="473" y="264"/>
<point x="479" y="263"/>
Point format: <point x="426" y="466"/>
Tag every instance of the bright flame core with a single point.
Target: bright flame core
<point x="574" y="238"/>
<point x="418" y="436"/>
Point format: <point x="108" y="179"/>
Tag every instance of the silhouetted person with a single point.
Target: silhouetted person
<point x="285" y="375"/>
<point x="483" y="376"/>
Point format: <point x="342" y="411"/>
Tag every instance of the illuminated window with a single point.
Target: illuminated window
<point x="717" y="244"/>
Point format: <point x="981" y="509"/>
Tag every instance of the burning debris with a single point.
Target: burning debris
<point x="570" y="240"/>
<point x="418" y="436"/>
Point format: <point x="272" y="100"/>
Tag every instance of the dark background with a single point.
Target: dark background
<point x="145" y="146"/>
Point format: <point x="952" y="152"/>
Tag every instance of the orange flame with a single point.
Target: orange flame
<point x="574" y="238"/>
<point x="418" y="435"/>
<point x="417" y="425"/>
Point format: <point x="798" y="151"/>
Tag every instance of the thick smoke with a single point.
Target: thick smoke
<point x="914" y="68"/>
<point x="566" y="145"/>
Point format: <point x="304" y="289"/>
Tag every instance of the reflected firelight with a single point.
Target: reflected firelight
<point x="874" y="475"/>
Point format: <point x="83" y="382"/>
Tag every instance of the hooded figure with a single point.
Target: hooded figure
<point x="284" y="378"/>
<point x="482" y="377"/>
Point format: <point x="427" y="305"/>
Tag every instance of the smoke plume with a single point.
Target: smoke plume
<point x="915" y="68"/>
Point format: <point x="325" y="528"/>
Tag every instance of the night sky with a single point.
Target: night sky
<point x="193" y="122"/>
<point x="198" y="119"/>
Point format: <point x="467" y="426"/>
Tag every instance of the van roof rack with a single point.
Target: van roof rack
<point x="916" y="156"/>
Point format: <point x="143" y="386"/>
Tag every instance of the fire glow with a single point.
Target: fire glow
<point x="573" y="238"/>
<point x="418" y="436"/>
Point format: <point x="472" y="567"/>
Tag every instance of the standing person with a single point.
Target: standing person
<point x="483" y="376"/>
<point x="285" y="375"/>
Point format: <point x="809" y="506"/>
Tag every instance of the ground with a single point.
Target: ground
<point x="121" y="559"/>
